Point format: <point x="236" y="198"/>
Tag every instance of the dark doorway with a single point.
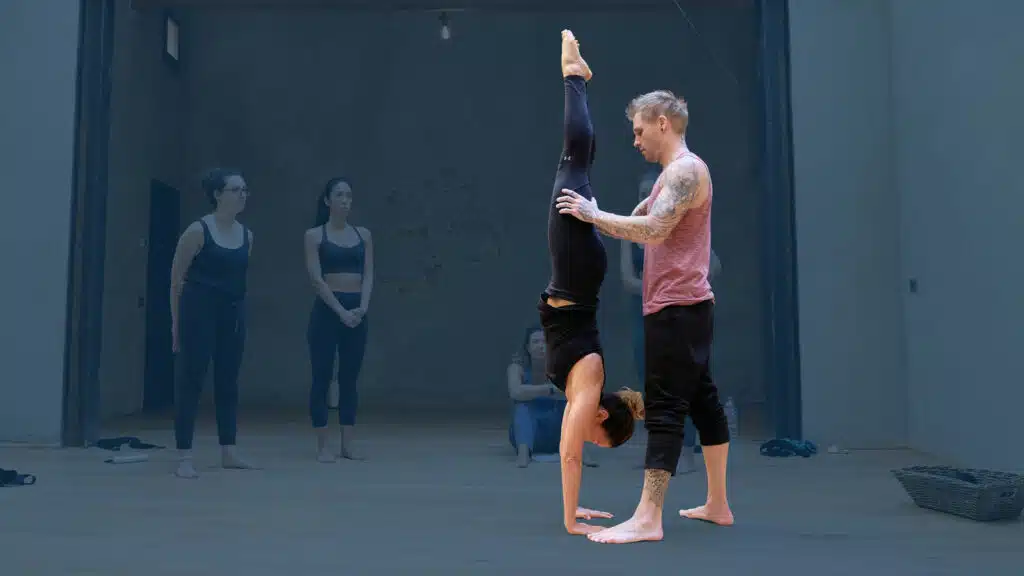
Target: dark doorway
<point x="164" y="222"/>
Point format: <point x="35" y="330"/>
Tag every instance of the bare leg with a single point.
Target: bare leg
<point x="716" y="509"/>
<point x="572" y="63"/>
<point x="645" y="525"/>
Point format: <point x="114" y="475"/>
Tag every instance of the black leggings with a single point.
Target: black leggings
<point x="210" y="326"/>
<point x="328" y="336"/>
<point x="677" y="382"/>
<point x="578" y="258"/>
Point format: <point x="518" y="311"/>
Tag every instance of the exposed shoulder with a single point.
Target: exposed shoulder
<point x="194" y="231"/>
<point x="685" y="167"/>
<point x="363" y="231"/>
<point x="313" y="233"/>
<point x="685" y="179"/>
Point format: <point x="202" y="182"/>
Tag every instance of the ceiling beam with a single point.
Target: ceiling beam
<point x="437" y="5"/>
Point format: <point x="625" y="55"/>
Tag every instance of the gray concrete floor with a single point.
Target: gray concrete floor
<point x="447" y="499"/>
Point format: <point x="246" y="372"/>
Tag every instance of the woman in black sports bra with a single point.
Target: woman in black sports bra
<point x="339" y="259"/>
<point x="208" y="284"/>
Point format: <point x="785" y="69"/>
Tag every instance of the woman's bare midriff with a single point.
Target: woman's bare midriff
<point x="344" y="282"/>
<point x="559" y="302"/>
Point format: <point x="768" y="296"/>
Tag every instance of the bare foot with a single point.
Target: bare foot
<point x="630" y="531"/>
<point x="229" y="459"/>
<point x="573" y="63"/>
<point x="323" y="447"/>
<point x="186" y="470"/>
<point x="720" y="515"/>
<point x="348" y="449"/>
<point x="350" y="454"/>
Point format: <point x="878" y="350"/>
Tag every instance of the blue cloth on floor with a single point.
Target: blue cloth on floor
<point x="131" y="441"/>
<point x="785" y="447"/>
<point x="12" y="478"/>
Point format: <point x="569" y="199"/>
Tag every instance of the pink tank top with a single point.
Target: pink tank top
<point x="676" y="270"/>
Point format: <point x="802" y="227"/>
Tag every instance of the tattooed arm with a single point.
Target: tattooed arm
<point x="681" y="190"/>
<point x="643" y="208"/>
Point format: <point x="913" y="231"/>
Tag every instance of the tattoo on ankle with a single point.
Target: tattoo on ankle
<point x="655" y="484"/>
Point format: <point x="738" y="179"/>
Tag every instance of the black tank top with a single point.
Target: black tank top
<point x="335" y="259"/>
<point x="218" y="268"/>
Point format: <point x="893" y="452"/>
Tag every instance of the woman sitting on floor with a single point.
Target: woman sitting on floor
<point x="537" y="405"/>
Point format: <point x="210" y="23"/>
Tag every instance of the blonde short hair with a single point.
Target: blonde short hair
<point x="660" y="103"/>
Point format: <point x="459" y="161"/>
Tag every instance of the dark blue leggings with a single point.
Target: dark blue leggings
<point x="211" y="326"/>
<point x="328" y="336"/>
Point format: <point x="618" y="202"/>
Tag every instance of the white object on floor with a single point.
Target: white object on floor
<point x="127" y="458"/>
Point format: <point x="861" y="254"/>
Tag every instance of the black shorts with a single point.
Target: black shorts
<point x="570" y="333"/>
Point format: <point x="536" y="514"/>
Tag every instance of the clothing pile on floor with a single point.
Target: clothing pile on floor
<point x="785" y="447"/>
<point x="13" y="478"/>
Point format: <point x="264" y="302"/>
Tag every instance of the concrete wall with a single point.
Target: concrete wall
<point x="904" y="115"/>
<point x="848" y="224"/>
<point x="957" y="90"/>
<point x="37" y="129"/>
<point x="146" y="142"/>
<point x="451" y="154"/>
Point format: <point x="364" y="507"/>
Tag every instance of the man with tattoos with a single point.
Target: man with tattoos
<point x="674" y="224"/>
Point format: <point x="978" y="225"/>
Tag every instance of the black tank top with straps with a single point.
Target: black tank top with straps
<point x="335" y="259"/>
<point x="220" y="269"/>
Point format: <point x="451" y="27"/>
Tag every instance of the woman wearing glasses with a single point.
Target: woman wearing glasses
<point x="208" y="283"/>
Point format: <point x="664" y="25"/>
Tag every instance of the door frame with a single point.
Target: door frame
<point x="780" y="338"/>
<point x="146" y="400"/>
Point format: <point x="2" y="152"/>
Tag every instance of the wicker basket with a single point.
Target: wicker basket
<point x="982" y="495"/>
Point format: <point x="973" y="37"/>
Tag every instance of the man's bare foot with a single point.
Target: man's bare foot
<point x="573" y="63"/>
<point x="632" y="530"/>
<point x="186" y="470"/>
<point x="715" y="514"/>
<point x="325" y="455"/>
